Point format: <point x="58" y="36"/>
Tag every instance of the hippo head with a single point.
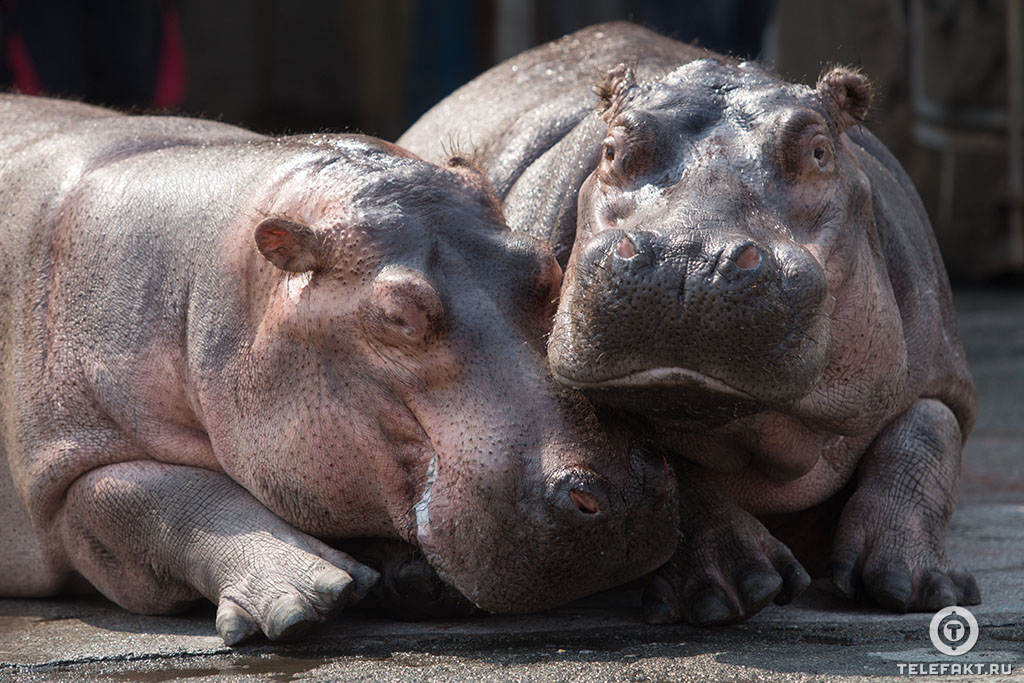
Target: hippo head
<point x="403" y="388"/>
<point x="726" y="210"/>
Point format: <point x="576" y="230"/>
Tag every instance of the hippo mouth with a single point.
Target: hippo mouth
<point x="662" y="377"/>
<point x="673" y="396"/>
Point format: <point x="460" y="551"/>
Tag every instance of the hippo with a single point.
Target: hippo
<point x="753" y="283"/>
<point x="221" y="353"/>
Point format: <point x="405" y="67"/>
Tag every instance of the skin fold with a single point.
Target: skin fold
<point x="751" y="283"/>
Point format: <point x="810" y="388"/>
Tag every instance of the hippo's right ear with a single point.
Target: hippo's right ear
<point x="850" y="92"/>
<point x="289" y="245"/>
<point x="615" y="90"/>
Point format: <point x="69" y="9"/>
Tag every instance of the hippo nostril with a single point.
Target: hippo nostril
<point x="740" y="264"/>
<point x="749" y="257"/>
<point x="580" y="493"/>
<point x="584" y="502"/>
<point x="626" y="248"/>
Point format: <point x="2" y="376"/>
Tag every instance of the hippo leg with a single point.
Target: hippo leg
<point x="727" y="566"/>
<point x="153" y="537"/>
<point x="890" y="544"/>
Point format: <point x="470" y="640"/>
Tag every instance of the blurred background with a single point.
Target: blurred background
<point x="942" y="70"/>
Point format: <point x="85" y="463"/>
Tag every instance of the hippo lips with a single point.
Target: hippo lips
<point x="677" y="397"/>
<point x="660" y="377"/>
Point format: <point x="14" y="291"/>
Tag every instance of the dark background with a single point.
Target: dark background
<point x="939" y="68"/>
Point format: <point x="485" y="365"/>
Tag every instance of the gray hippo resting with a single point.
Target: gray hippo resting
<point x="219" y="350"/>
<point x="753" y="282"/>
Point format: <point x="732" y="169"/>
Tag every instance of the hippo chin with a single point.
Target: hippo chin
<point x="220" y="351"/>
<point x="751" y="281"/>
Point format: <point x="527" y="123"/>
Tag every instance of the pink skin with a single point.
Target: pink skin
<point x="243" y="347"/>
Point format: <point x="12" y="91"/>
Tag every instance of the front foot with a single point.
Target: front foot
<point x="154" y="537"/>
<point x="895" y="558"/>
<point x="284" y="587"/>
<point x="890" y="544"/>
<point x="726" y="569"/>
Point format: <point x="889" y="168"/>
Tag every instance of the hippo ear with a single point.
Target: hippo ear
<point x="289" y="245"/>
<point x="614" y="90"/>
<point x="850" y="92"/>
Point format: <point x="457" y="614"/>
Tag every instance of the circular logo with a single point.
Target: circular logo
<point x="953" y="631"/>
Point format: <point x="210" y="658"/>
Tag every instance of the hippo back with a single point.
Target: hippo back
<point x="531" y="124"/>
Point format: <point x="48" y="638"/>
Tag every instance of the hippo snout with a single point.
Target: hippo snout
<point x="713" y="310"/>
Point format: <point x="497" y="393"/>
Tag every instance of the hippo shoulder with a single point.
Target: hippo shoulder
<point x="918" y="279"/>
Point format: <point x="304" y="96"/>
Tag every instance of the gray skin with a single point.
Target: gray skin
<point x="219" y="350"/>
<point x="753" y="281"/>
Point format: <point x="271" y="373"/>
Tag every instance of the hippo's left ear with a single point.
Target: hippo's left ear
<point x="850" y="92"/>
<point x="289" y="245"/>
<point x="614" y="90"/>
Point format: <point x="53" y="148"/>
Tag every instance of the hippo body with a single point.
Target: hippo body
<point x="753" y="282"/>
<point x="219" y="350"/>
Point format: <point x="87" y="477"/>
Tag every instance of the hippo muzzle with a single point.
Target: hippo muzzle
<point x="653" y="322"/>
<point x="551" y="511"/>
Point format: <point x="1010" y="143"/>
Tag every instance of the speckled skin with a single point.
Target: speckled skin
<point x="219" y="350"/>
<point x="752" y="280"/>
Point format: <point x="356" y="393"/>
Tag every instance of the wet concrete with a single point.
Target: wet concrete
<point x="820" y="637"/>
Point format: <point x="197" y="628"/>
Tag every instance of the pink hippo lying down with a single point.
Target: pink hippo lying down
<point x="219" y="350"/>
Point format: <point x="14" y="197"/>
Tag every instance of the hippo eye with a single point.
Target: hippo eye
<point x="803" y="144"/>
<point x="612" y="160"/>
<point x="821" y="152"/>
<point x="403" y="309"/>
<point x="609" y="150"/>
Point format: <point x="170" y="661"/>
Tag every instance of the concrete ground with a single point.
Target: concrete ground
<point x="820" y="637"/>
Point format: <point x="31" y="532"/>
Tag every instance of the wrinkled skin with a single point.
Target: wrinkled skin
<point x="220" y="350"/>
<point x="753" y="282"/>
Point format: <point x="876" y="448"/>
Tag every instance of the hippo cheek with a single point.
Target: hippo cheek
<point x="657" y="324"/>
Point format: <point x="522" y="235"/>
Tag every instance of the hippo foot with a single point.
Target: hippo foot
<point x="897" y="562"/>
<point x="890" y="544"/>
<point x="726" y="569"/>
<point x="154" y="537"/>
<point x="283" y="589"/>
